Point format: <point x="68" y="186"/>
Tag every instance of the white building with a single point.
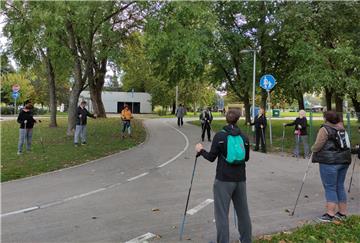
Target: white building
<point x="114" y="101"/>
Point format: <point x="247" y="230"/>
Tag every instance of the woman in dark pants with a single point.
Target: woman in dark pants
<point x="334" y="162"/>
<point x="260" y="124"/>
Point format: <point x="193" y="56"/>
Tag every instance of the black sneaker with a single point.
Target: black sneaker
<point x="326" y="218"/>
<point x="84" y="143"/>
<point x="340" y="216"/>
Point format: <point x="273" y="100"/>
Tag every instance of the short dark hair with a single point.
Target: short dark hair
<point x="332" y="117"/>
<point x="232" y="116"/>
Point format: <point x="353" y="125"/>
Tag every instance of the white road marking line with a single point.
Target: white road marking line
<point x="179" y="154"/>
<point x="199" y="207"/>
<point x="98" y="190"/>
<point x="142" y="238"/>
<point x="138" y="176"/>
<point x="20" y="211"/>
<point x="83" y="195"/>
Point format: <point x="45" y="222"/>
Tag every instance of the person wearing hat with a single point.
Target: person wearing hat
<point x="27" y="122"/>
<point x="126" y="117"/>
<point x="81" y="120"/>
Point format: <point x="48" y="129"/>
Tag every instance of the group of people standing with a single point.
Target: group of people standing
<point x="27" y="122"/>
<point x="300" y="132"/>
<point x="332" y="151"/>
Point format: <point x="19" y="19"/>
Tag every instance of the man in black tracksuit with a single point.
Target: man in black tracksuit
<point x="206" y="119"/>
<point x="260" y="126"/>
<point x="230" y="182"/>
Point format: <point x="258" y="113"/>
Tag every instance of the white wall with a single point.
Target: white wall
<point x="110" y="100"/>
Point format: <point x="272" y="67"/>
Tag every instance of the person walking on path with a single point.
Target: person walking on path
<point x="126" y="117"/>
<point x="206" y="119"/>
<point x="332" y="151"/>
<point x="81" y="121"/>
<point x="180" y="113"/>
<point x="27" y="121"/>
<point x="300" y="133"/>
<point x="260" y="124"/>
<point x="230" y="181"/>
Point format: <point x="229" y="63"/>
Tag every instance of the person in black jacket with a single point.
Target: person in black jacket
<point x="260" y="124"/>
<point x="27" y="122"/>
<point x="300" y="133"/>
<point x="230" y="181"/>
<point x="206" y="119"/>
<point x="81" y="120"/>
<point x="356" y="149"/>
<point x="333" y="162"/>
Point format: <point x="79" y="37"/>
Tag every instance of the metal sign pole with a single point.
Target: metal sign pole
<point x="269" y="104"/>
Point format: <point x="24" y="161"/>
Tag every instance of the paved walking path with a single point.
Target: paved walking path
<point x="142" y="192"/>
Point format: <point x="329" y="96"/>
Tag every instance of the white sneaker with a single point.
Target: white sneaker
<point x="19" y="153"/>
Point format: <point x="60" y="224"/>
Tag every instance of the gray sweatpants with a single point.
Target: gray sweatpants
<point x="304" y="140"/>
<point x="224" y="192"/>
<point x="25" y="134"/>
<point x="80" y="131"/>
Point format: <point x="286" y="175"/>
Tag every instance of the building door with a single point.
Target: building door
<point x="134" y="107"/>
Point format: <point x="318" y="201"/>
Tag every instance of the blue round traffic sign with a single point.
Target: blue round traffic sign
<point x="15" y="95"/>
<point x="267" y="82"/>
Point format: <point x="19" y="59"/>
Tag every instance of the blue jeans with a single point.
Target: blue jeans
<point x="25" y="135"/>
<point x="80" y="131"/>
<point x="333" y="178"/>
<point x="126" y="125"/>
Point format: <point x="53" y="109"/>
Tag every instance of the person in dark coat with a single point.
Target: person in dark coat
<point x="334" y="162"/>
<point x="180" y="113"/>
<point x="300" y="133"/>
<point x="206" y="119"/>
<point x="260" y="124"/>
<point x="81" y="121"/>
<point x="27" y="122"/>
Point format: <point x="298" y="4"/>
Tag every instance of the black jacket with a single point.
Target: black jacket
<point x="206" y="117"/>
<point x="260" y="121"/>
<point x="224" y="170"/>
<point x="26" y="116"/>
<point x="82" y="120"/>
<point x="330" y="153"/>
<point x="302" y="122"/>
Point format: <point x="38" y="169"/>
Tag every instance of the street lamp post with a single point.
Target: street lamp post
<point x="254" y="78"/>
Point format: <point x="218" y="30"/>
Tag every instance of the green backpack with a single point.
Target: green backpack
<point x="235" y="149"/>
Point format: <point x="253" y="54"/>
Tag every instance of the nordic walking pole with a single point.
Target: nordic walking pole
<point x="298" y="144"/>
<point x="283" y="138"/>
<point x="302" y="184"/>
<point x="25" y="122"/>
<point x="263" y="136"/>
<point x="352" y="174"/>
<point x="188" y="197"/>
<point x="41" y="139"/>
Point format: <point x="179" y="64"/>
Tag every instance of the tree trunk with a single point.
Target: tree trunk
<point x="339" y="103"/>
<point x="52" y="88"/>
<point x="300" y="100"/>
<point x="264" y="97"/>
<point x="328" y="96"/>
<point x="79" y="79"/>
<point x="173" y="108"/>
<point x="96" y="84"/>
<point x="356" y="104"/>
<point x="247" y="109"/>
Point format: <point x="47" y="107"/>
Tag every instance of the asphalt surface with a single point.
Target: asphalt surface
<point x="142" y="193"/>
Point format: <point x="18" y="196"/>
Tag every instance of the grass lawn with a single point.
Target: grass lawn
<point x="346" y="231"/>
<point x="103" y="138"/>
<point x="277" y="130"/>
